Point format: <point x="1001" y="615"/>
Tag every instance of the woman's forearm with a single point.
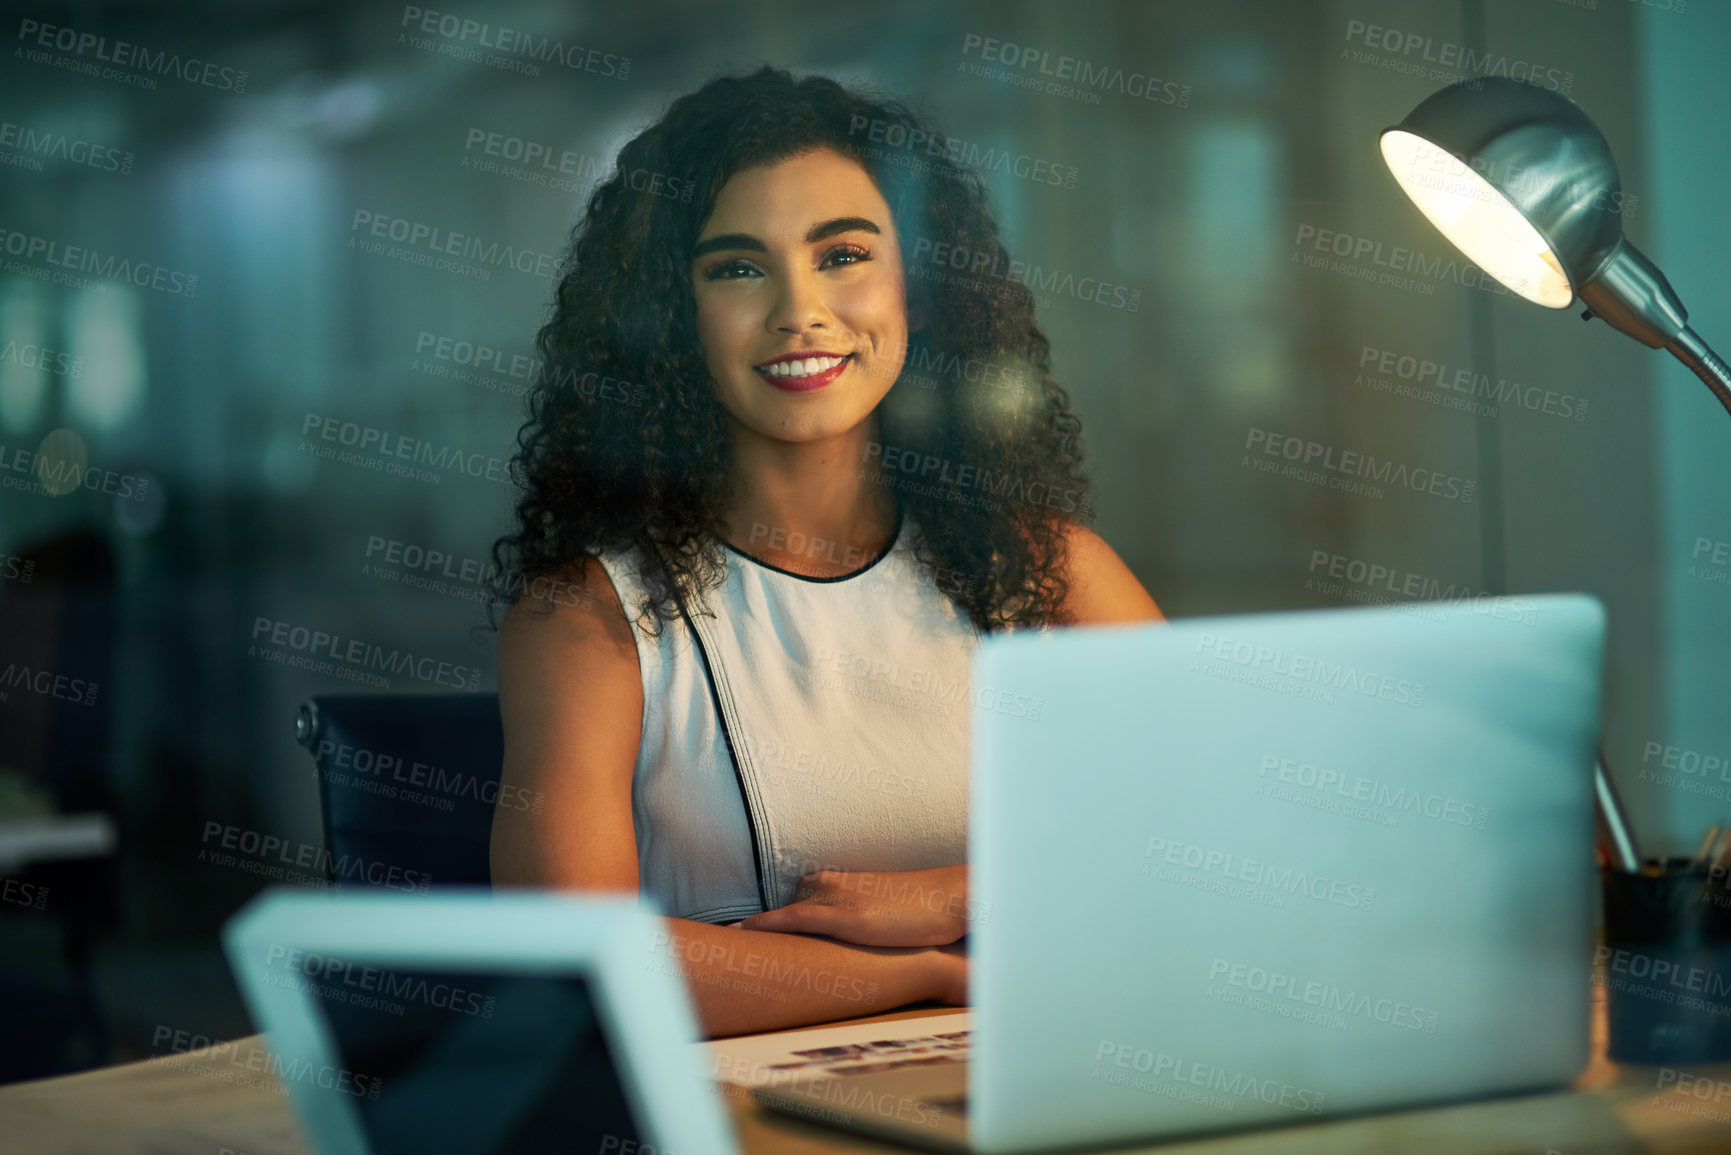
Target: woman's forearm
<point x="883" y="908"/>
<point x="743" y="981"/>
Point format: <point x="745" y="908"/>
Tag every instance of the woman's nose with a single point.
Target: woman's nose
<point x="799" y="304"/>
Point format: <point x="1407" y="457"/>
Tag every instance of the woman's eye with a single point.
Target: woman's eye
<point x="853" y="255"/>
<point x="839" y="257"/>
<point x="731" y="270"/>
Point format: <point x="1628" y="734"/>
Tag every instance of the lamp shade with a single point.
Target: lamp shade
<point x="1518" y="177"/>
<point x="1523" y="182"/>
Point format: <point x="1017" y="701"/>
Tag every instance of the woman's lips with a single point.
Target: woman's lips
<point x="806" y="383"/>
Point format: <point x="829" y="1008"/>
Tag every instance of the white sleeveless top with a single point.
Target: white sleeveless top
<point x="809" y="724"/>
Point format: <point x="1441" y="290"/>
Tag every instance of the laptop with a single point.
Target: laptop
<point x="1249" y="871"/>
<point x="475" y="1024"/>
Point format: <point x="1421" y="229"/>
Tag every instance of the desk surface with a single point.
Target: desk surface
<point x="205" y="1101"/>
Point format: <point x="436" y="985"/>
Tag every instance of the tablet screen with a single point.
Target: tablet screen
<point x="475" y="1064"/>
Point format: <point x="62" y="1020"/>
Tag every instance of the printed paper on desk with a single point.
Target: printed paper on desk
<point x="836" y="1052"/>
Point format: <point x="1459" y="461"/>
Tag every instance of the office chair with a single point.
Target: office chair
<point x="407" y="783"/>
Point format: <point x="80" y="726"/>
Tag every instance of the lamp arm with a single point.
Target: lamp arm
<point x="1630" y="294"/>
<point x="1689" y="348"/>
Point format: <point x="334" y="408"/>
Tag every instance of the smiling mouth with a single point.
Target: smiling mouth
<point x="809" y="373"/>
<point x="810" y="367"/>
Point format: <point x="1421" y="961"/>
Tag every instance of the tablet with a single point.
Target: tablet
<point x="475" y="1023"/>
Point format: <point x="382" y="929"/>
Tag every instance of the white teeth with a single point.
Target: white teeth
<point x="805" y="368"/>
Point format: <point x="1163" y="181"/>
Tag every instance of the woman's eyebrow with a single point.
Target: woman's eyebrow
<point x="816" y="233"/>
<point x="839" y="225"/>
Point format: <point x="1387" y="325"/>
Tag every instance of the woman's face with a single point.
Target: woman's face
<point x="801" y="306"/>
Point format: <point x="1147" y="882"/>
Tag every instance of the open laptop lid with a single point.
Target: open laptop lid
<point x="475" y="1024"/>
<point x="1242" y="871"/>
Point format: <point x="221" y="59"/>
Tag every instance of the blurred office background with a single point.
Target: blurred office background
<point x="1218" y="188"/>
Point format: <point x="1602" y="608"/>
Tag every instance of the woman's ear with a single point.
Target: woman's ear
<point x="916" y="316"/>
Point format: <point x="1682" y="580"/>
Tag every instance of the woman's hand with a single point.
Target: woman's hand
<point x="876" y="907"/>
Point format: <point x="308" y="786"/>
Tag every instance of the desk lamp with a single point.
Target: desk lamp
<point x="1523" y="183"/>
<point x="1521" y="180"/>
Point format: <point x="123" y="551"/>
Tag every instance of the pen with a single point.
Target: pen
<point x="1702" y="853"/>
<point x="1721" y="858"/>
<point x="1615" y="822"/>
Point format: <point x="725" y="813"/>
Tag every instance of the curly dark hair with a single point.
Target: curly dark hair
<point x="626" y="443"/>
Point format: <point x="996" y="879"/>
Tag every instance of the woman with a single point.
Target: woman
<point x="825" y="466"/>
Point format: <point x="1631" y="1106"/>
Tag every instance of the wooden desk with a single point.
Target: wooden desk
<point x="206" y="1103"/>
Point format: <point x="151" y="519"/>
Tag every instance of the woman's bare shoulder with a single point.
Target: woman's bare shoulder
<point x="566" y="641"/>
<point x="572" y="607"/>
<point x="1102" y="588"/>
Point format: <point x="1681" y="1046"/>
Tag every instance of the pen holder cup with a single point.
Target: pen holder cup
<point x="1666" y="964"/>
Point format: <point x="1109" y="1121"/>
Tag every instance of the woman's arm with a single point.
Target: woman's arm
<point x="877" y="907"/>
<point x="571" y="699"/>
<point x="743" y="981"/>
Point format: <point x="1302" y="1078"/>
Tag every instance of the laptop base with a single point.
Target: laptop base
<point x="924" y="1106"/>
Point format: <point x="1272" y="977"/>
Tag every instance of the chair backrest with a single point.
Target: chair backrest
<point x="407" y="783"/>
